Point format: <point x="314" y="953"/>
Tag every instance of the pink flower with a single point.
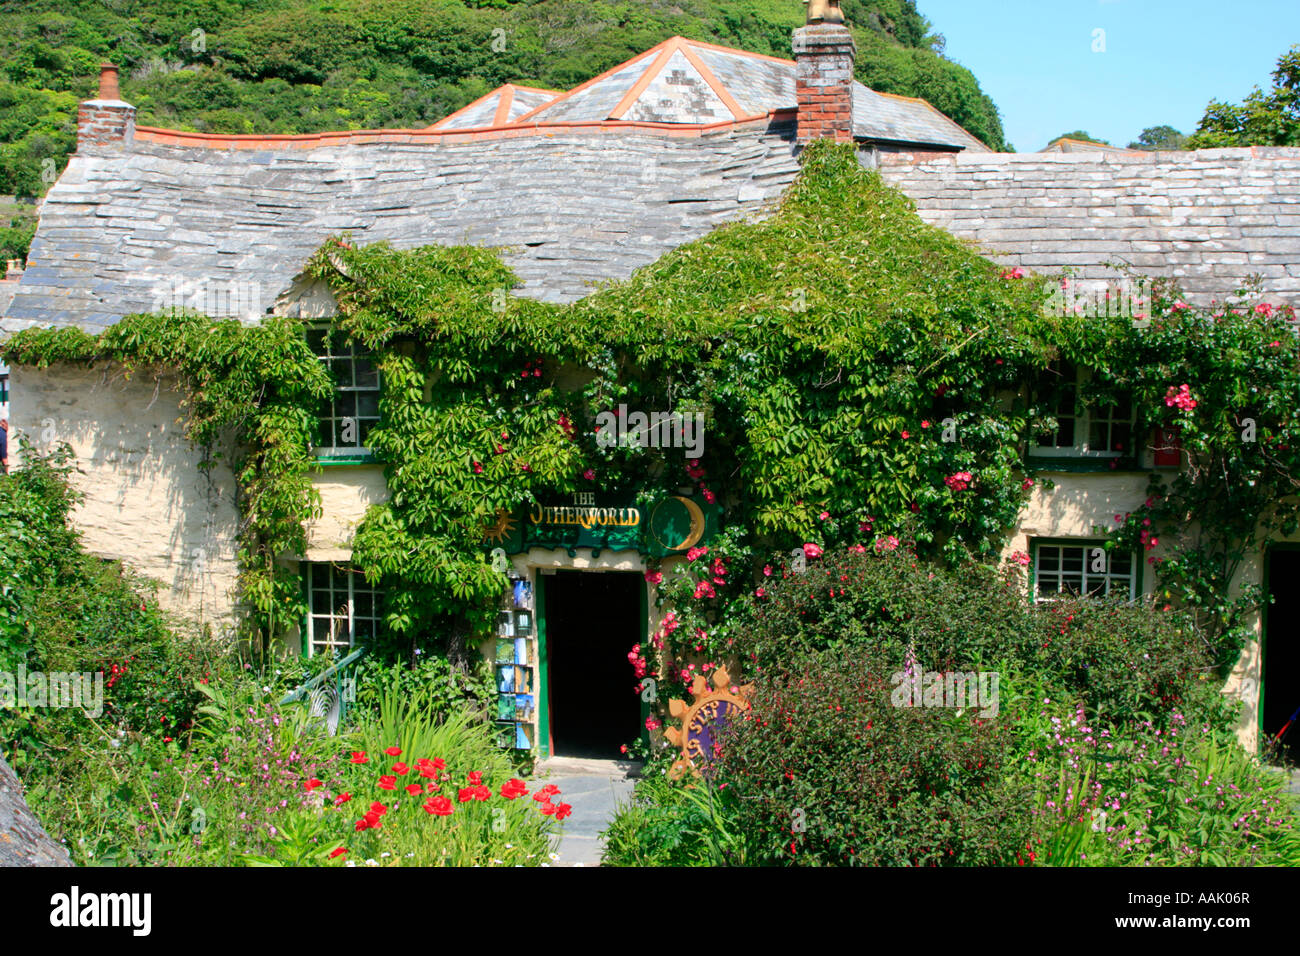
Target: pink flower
<point x="589" y="474"/>
<point x="709" y="496"/>
<point x="759" y="592"/>
<point x="812" y="550"/>
<point x="906" y="435"/>
<point x="824" y="515"/>
<point x="1180" y="397"/>
<point x="1027" y="484"/>
<point x="767" y="570"/>
<point x="654" y="577"/>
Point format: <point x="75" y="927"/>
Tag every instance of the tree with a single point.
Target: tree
<point x="1264" y="119"/>
<point x="1159" y="137"/>
<point x="1081" y="134"/>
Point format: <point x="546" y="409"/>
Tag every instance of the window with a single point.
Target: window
<point x="1083" y="431"/>
<point x="342" y="610"/>
<point x="348" y="418"/>
<point x="1086" y="568"/>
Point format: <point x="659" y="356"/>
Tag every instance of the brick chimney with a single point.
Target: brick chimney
<point x="105" y="121"/>
<point x="823" y="54"/>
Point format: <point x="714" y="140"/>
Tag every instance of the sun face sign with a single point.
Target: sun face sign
<point x="499" y="529"/>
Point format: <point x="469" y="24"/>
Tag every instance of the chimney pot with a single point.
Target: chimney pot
<point x="108" y="89"/>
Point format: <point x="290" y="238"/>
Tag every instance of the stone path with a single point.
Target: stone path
<point x="594" y="788"/>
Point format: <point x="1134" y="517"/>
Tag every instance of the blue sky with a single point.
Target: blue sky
<point x="1164" y="60"/>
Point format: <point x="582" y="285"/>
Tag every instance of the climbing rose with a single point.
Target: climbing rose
<point x="654" y="577"/>
<point x="812" y="550"/>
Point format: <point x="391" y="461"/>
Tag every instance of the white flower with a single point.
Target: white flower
<point x="372" y="862"/>
<point x="552" y="857"/>
<point x="350" y="863"/>
<point x="383" y="855"/>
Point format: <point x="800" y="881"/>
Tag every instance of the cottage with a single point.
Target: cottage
<point x="587" y="185"/>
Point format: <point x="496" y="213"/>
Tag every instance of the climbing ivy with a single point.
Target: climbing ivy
<point x="259" y="385"/>
<point x="863" y="378"/>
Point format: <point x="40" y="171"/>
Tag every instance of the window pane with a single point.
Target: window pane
<point x="367" y="374"/>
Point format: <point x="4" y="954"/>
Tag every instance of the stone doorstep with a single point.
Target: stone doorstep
<point x="582" y="766"/>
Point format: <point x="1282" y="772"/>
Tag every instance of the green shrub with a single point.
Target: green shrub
<point x="686" y="823"/>
<point x="827" y="771"/>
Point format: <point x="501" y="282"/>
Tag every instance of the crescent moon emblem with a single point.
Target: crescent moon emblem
<point x="697" y="524"/>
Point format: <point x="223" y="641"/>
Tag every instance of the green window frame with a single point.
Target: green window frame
<point x="1082" y="566"/>
<point x="1087" y="437"/>
<point x="347" y="419"/>
<point x="343" y="610"/>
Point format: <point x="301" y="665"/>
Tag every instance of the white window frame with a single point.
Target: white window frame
<point x="1083" y="422"/>
<point x="1089" y="547"/>
<point x="330" y="422"/>
<point x="339" y="625"/>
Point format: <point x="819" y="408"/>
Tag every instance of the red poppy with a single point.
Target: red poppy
<point x="362" y="825"/>
<point x="562" y="811"/>
<point x="341" y="799"/>
<point x="373" y="820"/>
<point x="387" y="783"/>
<point x="394" y="751"/>
<point x="313" y="783"/>
<point x="465" y="794"/>
<point x="378" y="808"/>
<point x="414" y="788"/>
<point x="400" y="769"/>
<point x="548" y="808"/>
<point x="359" y="757"/>
<point x="476" y="778"/>
<point x="513" y="788"/>
<point x="438" y="806"/>
<point x="439" y="763"/>
<point x="339" y="852"/>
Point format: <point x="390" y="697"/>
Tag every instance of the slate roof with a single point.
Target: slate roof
<point x="1212" y="218"/>
<point x="687" y="81"/>
<point x="505" y="104"/>
<point x="135" y="229"/>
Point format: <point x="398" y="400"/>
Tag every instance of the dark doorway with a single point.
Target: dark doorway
<point x="592" y="621"/>
<point x="1281" y="658"/>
